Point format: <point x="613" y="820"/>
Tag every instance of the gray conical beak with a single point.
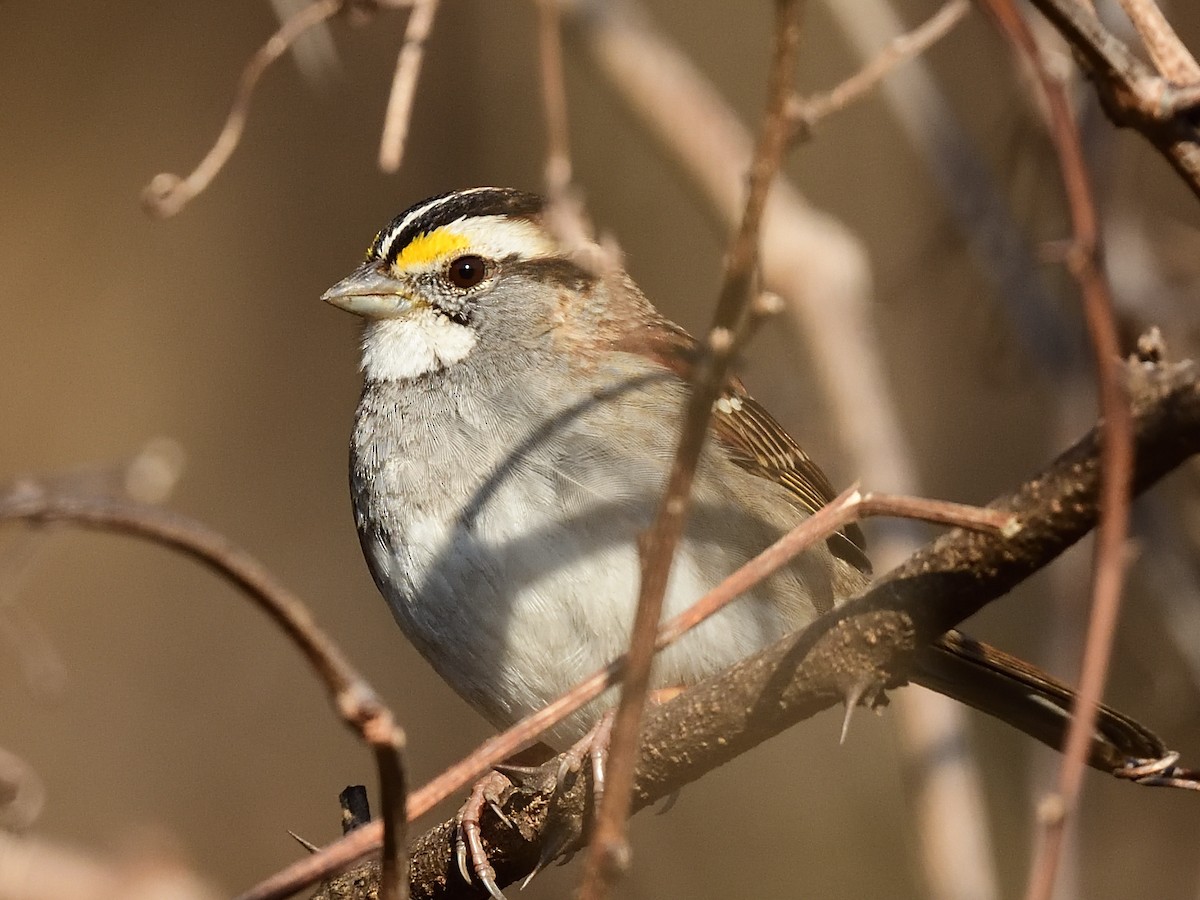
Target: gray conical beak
<point x="370" y="293"/>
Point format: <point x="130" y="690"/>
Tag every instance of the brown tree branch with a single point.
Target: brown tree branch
<point x="806" y="112"/>
<point x="821" y="270"/>
<point x="167" y="193"/>
<point x="873" y="637"/>
<point x="1131" y="93"/>
<point x="870" y="639"/>
<point x="565" y="214"/>
<point x="848" y="507"/>
<point x="557" y="172"/>
<point x="1170" y="56"/>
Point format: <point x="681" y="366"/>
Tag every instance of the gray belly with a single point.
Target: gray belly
<point x="516" y="577"/>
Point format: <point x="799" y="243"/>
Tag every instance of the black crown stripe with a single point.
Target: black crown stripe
<point x="434" y="212"/>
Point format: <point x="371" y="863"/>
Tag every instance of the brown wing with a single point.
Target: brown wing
<point x="757" y="443"/>
<point x="747" y="432"/>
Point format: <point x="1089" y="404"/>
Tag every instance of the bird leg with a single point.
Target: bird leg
<point x="494" y="789"/>
<point x="490" y="791"/>
<point x="593" y="747"/>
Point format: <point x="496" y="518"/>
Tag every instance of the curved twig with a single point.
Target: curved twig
<point x="167" y="194"/>
<point x="353" y="698"/>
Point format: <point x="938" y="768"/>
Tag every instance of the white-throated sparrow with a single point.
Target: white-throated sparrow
<point x="517" y="422"/>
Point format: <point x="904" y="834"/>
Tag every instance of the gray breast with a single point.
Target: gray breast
<point x="506" y="543"/>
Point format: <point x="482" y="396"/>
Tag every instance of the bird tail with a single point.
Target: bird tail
<point x="1021" y="694"/>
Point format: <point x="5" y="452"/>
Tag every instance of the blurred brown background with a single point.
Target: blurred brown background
<point x="183" y="713"/>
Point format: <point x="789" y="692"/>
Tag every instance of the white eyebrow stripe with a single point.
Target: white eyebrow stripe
<point x="385" y="246"/>
<point x="501" y="236"/>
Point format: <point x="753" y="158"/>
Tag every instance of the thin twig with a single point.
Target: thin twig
<point x="554" y="98"/>
<point x="387" y="744"/>
<point x="608" y="853"/>
<point x="564" y="214"/>
<point x="1116" y="452"/>
<point x="806" y="112"/>
<point x="148" y="477"/>
<point x="404" y="84"/>
<point x="167" y="194"/>
<point x="822" y="269"/>
<point x="353" y="698"/>
<point x="847" y="507"/>
<point x="839" y="512"/>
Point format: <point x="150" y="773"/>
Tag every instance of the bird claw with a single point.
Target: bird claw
<point x="493" y="789"/>
<point x="489" y="791"/>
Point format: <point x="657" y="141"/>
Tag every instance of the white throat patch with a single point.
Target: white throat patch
<point x="408" y="347"/>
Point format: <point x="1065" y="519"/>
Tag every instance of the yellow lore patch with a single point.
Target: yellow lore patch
<point x="431" y="247"/>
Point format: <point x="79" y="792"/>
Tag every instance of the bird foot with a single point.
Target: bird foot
<point x="489" y="792"/>
<point x="560" y="830"/>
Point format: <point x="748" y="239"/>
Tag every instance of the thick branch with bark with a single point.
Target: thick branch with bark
<point x="869" y="641"/>
<point x="1131" y="92"/>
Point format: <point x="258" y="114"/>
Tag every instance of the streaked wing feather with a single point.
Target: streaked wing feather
<point x="760" y="445"/>
<point x="746" y="431"/>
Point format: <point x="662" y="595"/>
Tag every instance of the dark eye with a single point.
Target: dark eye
<point x="466" y="271"/>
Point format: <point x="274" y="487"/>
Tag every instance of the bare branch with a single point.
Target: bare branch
<point x="565" y="215"/>
<point x="872" y="637"/>
<point x="1130" y="92"/>
<point x="167" y="194"/>
<point x="818" y="265"/>
<point x="149" y="477"/>
<point x="806" y="112"/>
<point x="353" y="698"/>
<point x="554" y="98"/>
<point x="1117" y="449"/>
<point x="839" y="512"/>
<point x="1172" y="58"/>
<point x="608" y="852"/>
<point x="404" y="84"/>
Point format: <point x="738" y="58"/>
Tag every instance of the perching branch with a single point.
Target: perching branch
<point x="850" y="506"/>
<point x="870" y="640"/>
